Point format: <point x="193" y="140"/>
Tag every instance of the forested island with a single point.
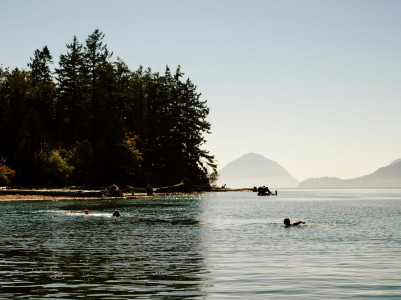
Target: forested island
<point x="92" y="121"/>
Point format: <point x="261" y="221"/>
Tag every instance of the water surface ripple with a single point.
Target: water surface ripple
<point x="205" y="246"/>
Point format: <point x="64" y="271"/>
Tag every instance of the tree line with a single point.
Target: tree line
<point x="92" y="121"/>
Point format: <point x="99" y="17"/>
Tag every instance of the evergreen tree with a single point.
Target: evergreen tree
<point x="72" y="109"/>
<point x="44" y="94"/>
<point x="173" y="122"/>
<point x="102" y="88"/>
<point x="21" y="127"/>
<point x="189" y="113"/>
<point x="102" y="123"/>
<point x="40" y="65"/>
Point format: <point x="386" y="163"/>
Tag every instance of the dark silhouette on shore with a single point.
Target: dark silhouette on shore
<point x="264" y="191"/>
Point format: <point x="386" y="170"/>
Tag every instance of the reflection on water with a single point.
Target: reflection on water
<point x="211" y="246"/>
<point x="51" y="249"/>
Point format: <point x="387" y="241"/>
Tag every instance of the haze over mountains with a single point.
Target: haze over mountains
<point x="255" y="170"/>
<point x="389" y="176"/>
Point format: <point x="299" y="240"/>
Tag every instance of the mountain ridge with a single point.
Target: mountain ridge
<point x="388" y="176"/>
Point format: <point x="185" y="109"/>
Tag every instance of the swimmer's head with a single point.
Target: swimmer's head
<point x="86" y="212"/>
<point x="116" y="213"/>
<point x="287" y="222"/>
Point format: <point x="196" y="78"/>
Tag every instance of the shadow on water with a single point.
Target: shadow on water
<point x="52" y="250"/>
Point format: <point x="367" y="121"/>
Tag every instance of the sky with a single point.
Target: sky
<point x="314" y="85"/>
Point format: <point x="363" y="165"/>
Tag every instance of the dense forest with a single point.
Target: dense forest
<point x="92" y="121"/>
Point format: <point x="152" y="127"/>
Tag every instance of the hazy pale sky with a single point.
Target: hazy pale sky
<point x="314" y="85"/>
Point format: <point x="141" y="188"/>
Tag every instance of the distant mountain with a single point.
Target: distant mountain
<point x="255" y="170"/>
<point x="389" y="176"/>
<point x="395" y="162"/>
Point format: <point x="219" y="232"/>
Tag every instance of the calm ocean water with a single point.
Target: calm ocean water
<point x="205" y="246"/>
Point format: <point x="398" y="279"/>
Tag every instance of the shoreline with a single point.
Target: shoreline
<point x="61" y="198"/>
<point x="71" y="194"/>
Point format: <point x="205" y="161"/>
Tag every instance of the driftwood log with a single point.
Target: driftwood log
<point x="177" y="188"/>
<point x="184" y="186"/>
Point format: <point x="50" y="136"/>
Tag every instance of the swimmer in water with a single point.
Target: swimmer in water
<point x="287" y="222"/>
<point x="86" y="211"/>
<point x="116" y="213"/>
